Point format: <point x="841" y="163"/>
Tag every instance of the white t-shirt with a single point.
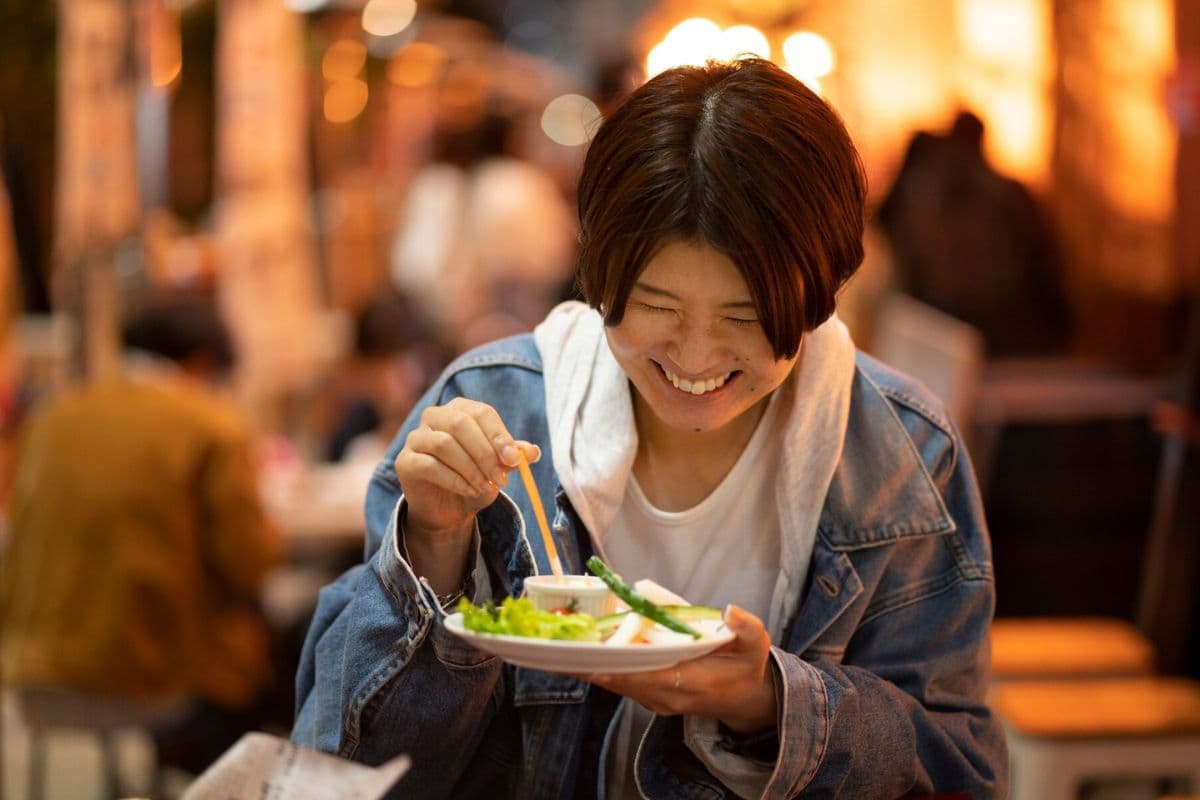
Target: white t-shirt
<point x="723" y="550"/>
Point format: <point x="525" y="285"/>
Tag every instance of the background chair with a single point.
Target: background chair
<point x="46" y="711"/>
<point x="944" y="353"/>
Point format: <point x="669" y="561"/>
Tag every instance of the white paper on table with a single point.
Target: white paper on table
<point x="264" y="767"/>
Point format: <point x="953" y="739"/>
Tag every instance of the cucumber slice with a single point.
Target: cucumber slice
<point x="694" y="613"/>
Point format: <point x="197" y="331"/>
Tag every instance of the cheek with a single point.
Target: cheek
<point x="632" y="340"/>
<point x="764" y="372"/>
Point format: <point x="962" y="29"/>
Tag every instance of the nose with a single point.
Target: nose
<point x="693" y="348"/>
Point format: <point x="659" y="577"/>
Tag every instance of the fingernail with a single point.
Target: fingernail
<point x="508" y="454"/>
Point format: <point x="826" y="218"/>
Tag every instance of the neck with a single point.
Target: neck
<point x="677" y="469"/>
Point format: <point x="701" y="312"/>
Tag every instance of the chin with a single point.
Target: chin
<point x="702" y="422"/>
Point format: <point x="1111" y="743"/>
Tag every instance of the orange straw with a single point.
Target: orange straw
<point x="539" y="512"/>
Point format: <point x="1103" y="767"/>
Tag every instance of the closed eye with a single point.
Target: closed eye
<point x="738" y="321"/>
<point x="648" y="307"/>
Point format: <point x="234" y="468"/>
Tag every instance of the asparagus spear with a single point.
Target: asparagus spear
<point x="635" y="601"/>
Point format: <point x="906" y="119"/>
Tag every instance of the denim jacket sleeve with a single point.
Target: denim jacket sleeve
<point x="377" y="645"/>
<point x="380" y="675"/>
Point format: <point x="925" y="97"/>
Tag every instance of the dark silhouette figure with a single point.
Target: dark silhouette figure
<point x="975" y="244"/>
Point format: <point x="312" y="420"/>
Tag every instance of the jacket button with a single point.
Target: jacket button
<point x="828" y="585"/>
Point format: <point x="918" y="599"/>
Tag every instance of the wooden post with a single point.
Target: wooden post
<point x="266" y="254"/>
<point x="97" y="196"/>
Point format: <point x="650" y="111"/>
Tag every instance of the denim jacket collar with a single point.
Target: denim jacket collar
<point x="881" y="490"/>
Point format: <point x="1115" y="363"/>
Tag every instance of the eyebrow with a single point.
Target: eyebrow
<point x="740" y="305"/>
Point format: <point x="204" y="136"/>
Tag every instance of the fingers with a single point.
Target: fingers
<point x="438" y="456"/>
<point x="412" y="464"/>
<point x="731" y="683"/>
<point x="662" y="691"/>
<point x="462" y="447"/>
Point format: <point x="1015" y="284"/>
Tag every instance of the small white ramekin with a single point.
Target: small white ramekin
<point x="590" y="595"/>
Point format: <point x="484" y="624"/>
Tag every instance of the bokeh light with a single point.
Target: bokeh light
<point x="698" y="39"/>
<point x="742" y="39"/>
<point x="693" y="41"/>
<point x="807" y="55"/>
<point x="345" y="100"/>
<point x="388" y="17"/>
<point x="418" y="64"/>
<point x="570" y="119"/>
<point x="343" y="59"/>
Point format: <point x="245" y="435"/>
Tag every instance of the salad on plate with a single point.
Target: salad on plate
<point x="652" y="628"/>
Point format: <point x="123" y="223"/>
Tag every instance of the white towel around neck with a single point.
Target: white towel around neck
<point x="593" y="438"/>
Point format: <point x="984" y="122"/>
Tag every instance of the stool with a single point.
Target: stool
<point x="1062" y="733"/>
<point x="1068" y="647"/>
<point x="45" y="709"/>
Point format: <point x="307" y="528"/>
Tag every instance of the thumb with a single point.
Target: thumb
<point x="744" y="625"/>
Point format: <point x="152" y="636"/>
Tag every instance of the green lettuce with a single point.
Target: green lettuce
<point x="519" y="617"/>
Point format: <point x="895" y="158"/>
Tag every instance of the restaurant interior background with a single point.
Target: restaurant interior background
<point x="300" y="160"/>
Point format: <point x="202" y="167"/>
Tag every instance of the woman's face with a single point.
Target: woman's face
<point x="691" y="343"/>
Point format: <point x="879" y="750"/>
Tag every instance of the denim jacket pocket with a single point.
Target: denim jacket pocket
<point x="452" y="651"/>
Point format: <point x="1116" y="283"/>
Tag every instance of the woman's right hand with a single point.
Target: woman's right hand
<point x="453" y="465"/>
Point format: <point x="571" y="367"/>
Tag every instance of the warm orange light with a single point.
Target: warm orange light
<point x="165" y="65"/>
<point x="807" y="55"/>
<point x="1007" y="50"/>
<point x="343" y="60"/>
<point x="1147" y="33"/>
<point x="345" y="100"/>
<point x="1139" y="179"/>
<point x="692" y="41"/>
<point x="164" y="47"/>
<point x="1005" y="32"/>
<point x="741" y="40"/>
<point x="1018" y="133"/>
<point x="1140" y="182"/>
<point x="418" y="64"/>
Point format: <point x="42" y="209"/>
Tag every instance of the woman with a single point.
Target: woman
<point x="704" y="420"/>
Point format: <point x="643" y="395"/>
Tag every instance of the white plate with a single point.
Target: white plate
<point x="581" y="658"/>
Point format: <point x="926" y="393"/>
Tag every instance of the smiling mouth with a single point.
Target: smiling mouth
<point x="696" y="387"/>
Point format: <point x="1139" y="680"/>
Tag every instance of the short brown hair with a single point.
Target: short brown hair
<point x="740" y="156"/>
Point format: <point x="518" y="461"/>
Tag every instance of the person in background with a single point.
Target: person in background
<point x="137" y="543"/>
<point x="485" y="239"/>
<point x="703" y="420"/>
<point x="395" y="358"/>
<point x="975" y="244"/>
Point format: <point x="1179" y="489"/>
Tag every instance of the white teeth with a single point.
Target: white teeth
<point x="696" y="387"/>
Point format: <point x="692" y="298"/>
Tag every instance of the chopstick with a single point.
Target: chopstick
<point x="539" y="512"/>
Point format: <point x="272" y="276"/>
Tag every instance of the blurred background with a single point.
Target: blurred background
<point x="362" y="189"/>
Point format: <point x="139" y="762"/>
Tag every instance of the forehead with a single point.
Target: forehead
<point x="693" y="271"/>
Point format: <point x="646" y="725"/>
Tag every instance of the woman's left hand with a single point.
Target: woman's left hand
<point x="733" y="684"/>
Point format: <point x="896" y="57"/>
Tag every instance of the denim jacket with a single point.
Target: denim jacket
<point x="881" y="673"/>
